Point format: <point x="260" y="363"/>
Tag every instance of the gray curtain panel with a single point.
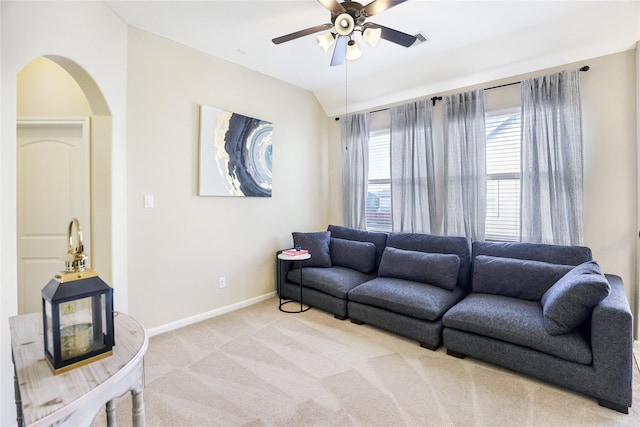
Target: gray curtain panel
<point x="355" y="169"/>
<point x="465" y="165"/>
<point x="552" y="164"/>
<point x="412" y="168"/>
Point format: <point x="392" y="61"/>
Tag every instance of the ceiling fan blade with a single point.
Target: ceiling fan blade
<point x="339" y="51"/>
<point x="301" y="33"/>
<point x="333" y="6"/>
<point x="395" y="36"/>
<point x="377" y="6"/>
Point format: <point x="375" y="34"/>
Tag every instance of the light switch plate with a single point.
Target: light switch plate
<point x="148" y="201"/>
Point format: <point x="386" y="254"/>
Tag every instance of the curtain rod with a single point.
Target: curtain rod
<point x="433" y="101"/>
<point x="439" y="98"/>
<point x="585" y="68"/>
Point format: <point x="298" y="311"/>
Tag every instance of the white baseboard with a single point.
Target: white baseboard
<point x="207" y="315"/>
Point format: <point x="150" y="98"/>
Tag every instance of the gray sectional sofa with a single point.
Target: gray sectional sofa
<point x="533" y="311"/>
<point x="544" y="310"/>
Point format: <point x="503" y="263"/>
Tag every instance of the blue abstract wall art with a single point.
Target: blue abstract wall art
<point x="235" y="154"/>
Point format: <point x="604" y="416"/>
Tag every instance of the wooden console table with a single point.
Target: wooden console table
<point x="74" y="398"/>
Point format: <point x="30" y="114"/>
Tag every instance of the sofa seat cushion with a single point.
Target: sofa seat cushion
<point x="418" y="300"/>
<point x="336" y="281"/>
<point x="518" y="322"/>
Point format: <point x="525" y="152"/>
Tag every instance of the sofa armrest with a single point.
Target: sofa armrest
<point x="612" y="344"/>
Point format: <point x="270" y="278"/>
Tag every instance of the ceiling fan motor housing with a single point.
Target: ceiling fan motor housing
<point x="345" y="22"/>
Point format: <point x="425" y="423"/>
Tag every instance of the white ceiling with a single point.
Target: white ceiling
<point x="469" y="42"/>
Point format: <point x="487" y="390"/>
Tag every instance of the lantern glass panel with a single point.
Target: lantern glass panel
<point x="103" y="312"/>
<point x="76" y="327"/>
<point x="49" y="324"/>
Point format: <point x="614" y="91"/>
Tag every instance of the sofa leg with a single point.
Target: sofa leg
<point x="339" y="317"/>
<point x="356" y="321"/>
<point x="615" y="406"/>
<point x="456" y="354"/>
<point x="429" y="346"/>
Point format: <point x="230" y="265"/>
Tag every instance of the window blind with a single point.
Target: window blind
<point x="378" y="206"/>
<point x="503" y="176"/>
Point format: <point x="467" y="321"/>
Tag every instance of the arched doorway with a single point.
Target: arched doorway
<point x="63" y="105"/>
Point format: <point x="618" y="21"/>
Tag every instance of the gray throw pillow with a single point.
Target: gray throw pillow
<point x="360" y="256"/>
<point x="434" y="269"/>
<point x="570" y="301"/>
<point x="517" y="278"/>
<point x="318" y="246"/>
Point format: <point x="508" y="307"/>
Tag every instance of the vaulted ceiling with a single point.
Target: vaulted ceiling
<point x="468" y="42"/>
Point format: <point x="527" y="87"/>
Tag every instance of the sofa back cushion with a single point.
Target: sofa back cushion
<point x="347" y="233"/>
<point x="317" y="244"/>
<point x="434" y="269"/>
<point x="570" y="301"/>
<point x="360" y="256"/>
<point x="437" y="245"/>
<point x="518" y="278"/>
<point x="556" y="254"/>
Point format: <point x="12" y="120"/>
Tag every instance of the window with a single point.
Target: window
<point x="503" y="176"/>
<point x="378" y="206"/>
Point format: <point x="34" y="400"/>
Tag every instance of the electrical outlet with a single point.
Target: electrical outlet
<point x="222" y="282"/>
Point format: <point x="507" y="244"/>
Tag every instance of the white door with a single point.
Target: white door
<point x="53" y="187"/>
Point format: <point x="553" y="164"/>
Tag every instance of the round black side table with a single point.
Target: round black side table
<point x="298" y="259"/>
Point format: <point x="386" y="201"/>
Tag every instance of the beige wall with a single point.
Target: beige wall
<point x="611" y="192"/>
<point x="90" y="40"/>
<point x="610" y="157"/>
<point x="180" y="248"/>
<point x="45" y="89"/>
<point x="637" y="290"/>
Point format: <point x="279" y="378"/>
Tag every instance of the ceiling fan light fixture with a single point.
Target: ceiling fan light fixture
<point x="348" y="17"/>
<point x="353" y="51"/>
<point x="344" y="24"/>
<point x="372" y="35"/>
<point x="325" y="41"/>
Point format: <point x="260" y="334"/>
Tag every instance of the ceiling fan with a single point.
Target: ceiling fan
<point x="346" y="18"/>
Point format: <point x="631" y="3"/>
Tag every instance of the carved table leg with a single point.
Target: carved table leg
<point x="111" y="413"/>
<point x="138" y="408"/>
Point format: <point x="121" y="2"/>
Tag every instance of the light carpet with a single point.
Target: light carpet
<point x="260" y="367"/>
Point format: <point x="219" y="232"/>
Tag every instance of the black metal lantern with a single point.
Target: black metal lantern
<point x="77" y="312"/>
